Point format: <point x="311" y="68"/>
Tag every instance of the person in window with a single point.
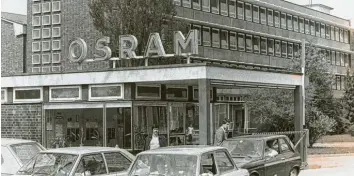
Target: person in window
<point x="221" y="133"/>
<point x="189" y="133"/>
<point x="269" y="149"/>
<point x="155" y="140"/>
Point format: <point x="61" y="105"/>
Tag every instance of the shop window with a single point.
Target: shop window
<point x="323" y="34"/>
<point x="56" y="58"/>
<point x="283" y="20"/>
<point x="307" y="26"/>
<point x="256" y="44"/>
<point x="223" y="6"/>
<point x="56" y="32"/>
<point x="56" y="19"/>
<point x="290" y="50"/>
<point x="56" y="6"/>
<point x="224" y="39"/>
<point x="233" y="41"/>
<point x="312" y="28"/>
<point x="36" y="8"/>
<point x="277" y="48"/>
<point x="271" y="47"/>
<point x="263" y="15"/>
<point x="249" y="43"/>
<point x="36" y="20"/>
<point x="68" y="93"/>
<point x="148" y="91"/>
<point x="56" y="45"/>
<point x="296" y="50"/>
<point x="328" y="32"/>
<point x="206" y="5"/>
<point x="283" y="49"/>
<point x="45" y="58"/>
<point x="36" y="59"/>
<point x="187" y="3"/>
<point x="301" y="25"/>
<point x="333" y="58"/>
<point x="232" y="8"/>
<point x="36" y="33"/>
<point x="46" y="7"/>
<point x="180" y="93"/>
<point x="342" y="63"/>
<point x="346" y="60"/>
<point x="263" y="45"/>
<point x="106" y="92"/>
<point x="338" y="58"/>
<point x="346" y="36"/>
<point x="255" y="14"/>
<point x="341" y="35"/>
<point x="214" y="6"/>
<point x="318" y="32"/>
<point x="333" y="37"/>
<point x="30" y="95"/>
<point x="296" y="24"/>
<point x="270" y="17"/>
<point x="206" y="36"/>
<point x="216" y="37"/>
<point x="4" y="95"/>
<point x="119" y="127"/>
<point x="241" y="41"/>
<point x="196" y="4"/>
<point x="45" y="32"/>
<point x="196" y="94"/>
<point x="56" y="68"/>
<point x="248" y="11"/>
<point x="177" y="2"/>
<point x="276" y="19"/>
<point x="289" y="22"/>
<point x="46" y="20"/>
<point x="337" y="33"/>
<point x="45" y="45"/>
<point x="240" y="10"/>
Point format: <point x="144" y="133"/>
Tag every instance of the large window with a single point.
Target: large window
<point x="240" y="10"/>
<point x="271" y="47"/>
<point x="276" y="19"/>
<point x="312" y="28"/>
<point x="323" y="33"/>
<point x="307" y="26"/>
<point x="224" y="39"/>
<point x="241" y="41"/>
<point x="206" y="36"/>
<point x="233" y="40"/>
<point x="256" y="44"/>
<point x="30" y="95"/>
<point x="263" y="14"/>
<point x="270" y="17"/>
<point x="283" y="20"/>
<point x="255" y="14"/>
<point x="68" y="93"/>
<point x="119" y="127"/>
<point x="106" y="92"/>
<point x="296" y="24"/>
<point x="223" y="6"/>
<point x="206" y="5"/>
<point x="248" y="11"/>
<point x="289" y="22"/>
<point x="214" y="6"/>
<point x="232" y="8"/>
<point x="148" y="91"/>
<point x="248" y="43"/>
<point x="196" y="4"/>
<point x="216" y="37"/>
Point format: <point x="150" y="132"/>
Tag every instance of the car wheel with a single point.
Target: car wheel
<point x="294" y="172"/>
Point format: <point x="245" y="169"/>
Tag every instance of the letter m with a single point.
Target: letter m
<point x="181" y="43"/>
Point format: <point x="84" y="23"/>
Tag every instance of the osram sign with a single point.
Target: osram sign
<point x="129" y="43"/>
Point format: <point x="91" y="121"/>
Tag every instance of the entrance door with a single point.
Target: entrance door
<point x="177" y="124"/>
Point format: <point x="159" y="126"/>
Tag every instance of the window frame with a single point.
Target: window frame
<point x="203" y="41"/>
<point x="273" y="46"/>
<point x="336" y="34"/>
<point x="197" y="5"/>
<point x="36" y="18"/>
<point x="232" y="14"/>
<point x="222" y="11"/>
<point x="204" y="7"/>
<point x="53" y="32"/>
<point x="342" y="62"/>
<point x="338" y="59"/>
<point x="5" y="95"/>
<point x="147" y="97"/>
<point x="228" y="157"/>
<point x="215" y="10"/>
<point x="90" y="98"/>
<point x="333" y="57"/>
<point x="302" y="25"/>
<point x="194" y="26"/>
<point x="51" y="99"/>
<point x="38" y="100"/>
<point x="328" y="32"/>
<point x="255" y="15"/>
<point x="318" y="26"/>
<point x="346" y="36"/>
<point x="290" y="148"/>
<point x="244" y="41"/>
<point x="240" y="14"/>
<point x="333" y="35"/>
<point x="218" y="37"/>
<point x="227" y="39"/>
<point x="177" y="86"/>
<point x="177" y="2"/>
<point x="270" y="16"/>
<point x="235" y="34"/>
<point x="58" y="67"/>
<point x="121" y="153"/>
<point x="264" y="52"/>
<point x="263" y="18"/>
<point x="36" y="68"/>
<point x="341" y="35"/>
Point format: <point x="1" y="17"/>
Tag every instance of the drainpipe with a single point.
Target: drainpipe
<point x="24" y="63"/>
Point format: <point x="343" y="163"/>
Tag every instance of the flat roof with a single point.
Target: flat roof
<point x="183" y="150"/>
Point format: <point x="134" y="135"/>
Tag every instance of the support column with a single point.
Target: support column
<point x="204" y="112"/>
<point x="299" y="119"/>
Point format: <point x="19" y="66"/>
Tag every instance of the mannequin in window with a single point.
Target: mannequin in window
<point x="154" y="140"/>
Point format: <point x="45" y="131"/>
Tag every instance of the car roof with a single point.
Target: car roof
<point x="258" y="136"/>
<point x="183" y="149"/>
<point x="11" y="141"/>
<point x="82" y="150"/>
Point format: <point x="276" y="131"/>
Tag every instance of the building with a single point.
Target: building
<point x="95" y="104"/>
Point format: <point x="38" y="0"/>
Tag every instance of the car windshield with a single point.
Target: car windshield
<point x="49" y="164"/>
<point x="164" y="164"/>
<point x="26" y="151"/>
<point x="244" y="148"/>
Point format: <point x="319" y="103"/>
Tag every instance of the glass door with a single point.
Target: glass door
<point x="177" y="124"/>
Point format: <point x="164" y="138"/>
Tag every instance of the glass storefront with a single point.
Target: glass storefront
<point x="235" y="113"/>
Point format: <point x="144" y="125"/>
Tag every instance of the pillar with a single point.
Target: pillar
<point x="299" y="120"/>
<point x="204" y="112"/>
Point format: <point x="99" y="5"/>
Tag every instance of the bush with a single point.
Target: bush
<point x="351" y="130"/>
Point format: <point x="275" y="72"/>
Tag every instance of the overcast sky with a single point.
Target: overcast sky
<point x="342" y="8"/>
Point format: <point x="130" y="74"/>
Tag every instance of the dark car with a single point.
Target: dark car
<point x="265" y="155"/>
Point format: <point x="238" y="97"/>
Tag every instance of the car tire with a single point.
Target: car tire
<point x="294" y="172"/>
<point x="254" y="174"/>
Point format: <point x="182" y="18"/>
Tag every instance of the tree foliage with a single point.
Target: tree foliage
<point x="348" y="97"/>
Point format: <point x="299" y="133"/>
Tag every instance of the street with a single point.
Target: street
<point x="330" y="165"/>
<point x="338" y="171"/>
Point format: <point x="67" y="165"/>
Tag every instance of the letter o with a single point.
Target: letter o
<point x="83" y="48"/>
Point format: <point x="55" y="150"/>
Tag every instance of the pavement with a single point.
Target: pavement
<point x="335" y="144"/>
<point x="337" y="171"/>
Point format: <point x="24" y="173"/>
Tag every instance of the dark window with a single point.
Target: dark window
<point x="296" y="24"/>
<point x="27" y="94"/>
<point x="271" y="47"/>
<point x="249" y="43"/>
<point x="214" y="6"/>
<point x="176" y="93"/>
<point x="307" y="26"/>
<point x="283" y="20"/>
<point x="263" y="15"/>
<point x="255" y="14"/>
<point x="283" y="49"/>
<point x="277" y="48"/>
<point x="270" y="17"/>
<point x="256" y="43"/>
<point x="232" y="8"/>
<point x="148" y="91"/>
<point x="233" y="41"/>
<point x="290" y="22"/>
<point x="224" y="39"/>
<point x="263" y="45"/>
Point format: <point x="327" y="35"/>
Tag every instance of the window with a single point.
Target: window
<point x="346" y="60"/>
<point x="117" y="162"/>
<point x="45" y="45"/>
<point x="318" y="32"/>
<point x="32" y="95"/>
<point x="283" y="20"/>
<point x="342" y="82"/>
<point x="333" y="58"/>
<point x="256" y="44"/>
<point x="233" y="41"/>
<point x="187" y="3"/>
<point x="263" y="45"/>
<point x="56" y="32"/>
<point x="56" y="58"/>
<point x="3" y="99"/>
<point x="177" y="2"/>
<point x="223" y="162"/>
<point x="206" y="5"/>
<point x="224" y="39"/>
<point x="55" y="68"/>
<point x="312" y="28"/>
<point x="148" y="91"/>
<point x="214" y="6"/>
<point x="296" y="50"/>
<point x="176" y="93"/>
<point x="45" y="32"/>
<point x="301" y="25"/>
<point x="46" y="20"/>
<point x="284" y="146"/>
<point x="249" y="43"/>
<point x="290" y="50"/>
<point x="328" y="56"/>
<point x="196" y="93"/>
<point x="328" y="32"/>
<point x="342" y="63"/>
<point x="206" y="36"/>
<point x="338" y="83"/>
<point x="36" y="20"/>
<point x="283" y="49"/>
<point x="216" y="38"/>
<point x="106" y="92"/>
<point x="46" y="7"/>
<point x="67" y="93"/>
<point x="271" y="47"/>
<point x="56" y="6"/>
<point x="232" y="8"/>
<point x="241" y="41"/>
<point x="332" y="33"/>
<point x="346" y="36"/>
<point x="240" y="11"/>
<point x="276" y="19"/>
<point x="338" y="59"/>
<point x="296" y="24"/>
<point x="36" y="59"/>
<point x="45" y="58"/>
<point x="96" y="167"/>
<point x="255" y="14"/>
<point x="323" y="34"/>
<point x="56" y="45"/>
<point x="36" y="46"/>
<point x="207" y="160"/>
<point x="248" y="12"/>
<point x="36" y="33"/>
<point x="45" y="69"/>
<point x="263" y="15"/>
<point x="56" y="19"/>
<point x="307" y="26"/>
<point x="337" y="33"/>
<point x="277" y="48"/>
<point x="341" y="35"/>
<point x="270" y="17"/>
<point x="290" y="22"/>
<point x="197" y="27"/>
<point x="36" y="8"/>
<point x="223" y="6"/>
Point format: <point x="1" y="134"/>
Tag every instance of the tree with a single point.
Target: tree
<point x="135" y="17"/>
<point x="348" y="97"/>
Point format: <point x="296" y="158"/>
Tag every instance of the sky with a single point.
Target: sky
<point x="342" y="8"/>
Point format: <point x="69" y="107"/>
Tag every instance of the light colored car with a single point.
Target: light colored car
<point x="17" y="152"/>
<point x="79" y="161"/>
<point x="186" y="161"/>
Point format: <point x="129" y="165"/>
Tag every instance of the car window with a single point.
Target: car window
<point x="284" y="146"/>
<point x="208" y="164"/>
<point x="223" y="162"/>
<point x="271" y="148"/>
<point x="117" y="162"/>
<point x="91" y="165"/>
<point x="26" y="151"/>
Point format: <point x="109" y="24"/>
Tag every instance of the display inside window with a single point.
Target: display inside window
<point x="177" y="93"/>
<point x="256" y="44"/>
<point x="256" y="14"/>
<point x="29" y="94"/>
<point x="216" y="38"/>
<point x="248" y="12"/>
<point x="233" y="41"/>
<point x="148" y="91"/>
<point x="263" y="45"/>
<point x="277" y="48"/>
<point x="214" y="6"/>
<point x="206" y="36"/>
<point x="206" y="5"/>
<point x="240" y="10"/>
<point x="105" y="92"/>
<point x="270" y="17"/>
<point x="224" y="39"/>
<point x="276" y="19"/>
<point x="249" y="43"/>
<point x="241" y="42"/>
<point x="232" y="8"/>
<point x="271" y="47"/>
<point x="223" y="6"/>
<point x="65" y="93"/>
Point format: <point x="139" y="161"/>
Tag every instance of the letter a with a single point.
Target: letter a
<point x="154" y="46"/>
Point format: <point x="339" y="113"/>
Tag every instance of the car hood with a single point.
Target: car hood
<point x="246" y="162"/>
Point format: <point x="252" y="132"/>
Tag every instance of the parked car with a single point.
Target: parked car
<point x="17" y="152"/>
<point x="266" y="155"/>
<point x="186" y="161"/>
<point x="79" y="161"/>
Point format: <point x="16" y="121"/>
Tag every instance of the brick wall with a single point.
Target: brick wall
<point x="21" y="121"/>
<point x="12" y="50"/>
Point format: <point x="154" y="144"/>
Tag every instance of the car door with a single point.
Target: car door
<point x="91" y="164"/>
<point x="274" y="166"/>
<point x="290" y="158"/>
<point x="226" y="166"/>
<point x="117" y="163"/>
<point x="207" y="164"/>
